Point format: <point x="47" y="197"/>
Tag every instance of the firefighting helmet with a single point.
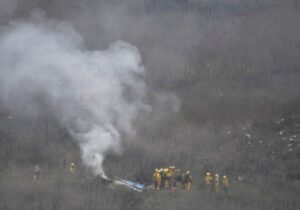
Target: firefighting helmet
<point x="188" y="172"/>
<point x="207" y="174"/>
<point x="72" y="164"/>
<point x="217" y="175"/>
<point x="224" y="177"/>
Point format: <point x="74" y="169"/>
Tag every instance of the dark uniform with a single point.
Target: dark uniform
<point x="179" y="179"/>
<point x="188" y="180"/>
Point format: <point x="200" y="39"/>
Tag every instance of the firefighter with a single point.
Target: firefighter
<point x="72" y="168"/>
<point x="179" y="179"/>
<point x="157" y="179"/>
<point x="188" y="180"/>
<point x="154" y="178"/>
<point x="225" y="184"/>
<point x="208" y="179"/>
<point x="217" y="183"/>
<point x="172" y="177"/>
<point x="161" y="172"/>
<point x="36" y="172"/>
<point x="172" y="170"/>
<point x="167" y="177"/>
<point x="163" y="176"/>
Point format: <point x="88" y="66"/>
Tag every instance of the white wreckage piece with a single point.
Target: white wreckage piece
<point x="124" y="183"/>
<point x="128" y="184"/>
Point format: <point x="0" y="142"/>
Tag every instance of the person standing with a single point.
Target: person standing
<point x="225" y="184"/>
<point x="167" y="178"/>
<point x="217" y="183"/>
<point x="179" y="179"/>
<point x="188" y="180"/>
<point x="208" y="179"/>
<point x="72" y="168"/>
<point x="157" y="179"/>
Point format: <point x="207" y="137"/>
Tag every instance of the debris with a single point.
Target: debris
<point x="128" y="184"/>
<point x="239" y="178"/>
<point x="37" y="172"/>
<point x="248" y="135"/>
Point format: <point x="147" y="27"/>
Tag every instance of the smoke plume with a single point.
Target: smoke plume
<point x="96" y="95"/>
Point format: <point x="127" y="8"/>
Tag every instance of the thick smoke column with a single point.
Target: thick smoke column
<point x="96" y="95"/>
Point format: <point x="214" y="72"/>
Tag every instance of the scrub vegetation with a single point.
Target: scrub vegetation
<point x="222" y="94"/>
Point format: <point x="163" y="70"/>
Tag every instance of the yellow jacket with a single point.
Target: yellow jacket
<point x="156" y="176"/>
<point x="217" y="181"/>
<point x="167" y="173"/>
<point x="208" y="180"/>
<point x="225" y="182"/>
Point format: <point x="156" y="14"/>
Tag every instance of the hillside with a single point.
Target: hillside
<point x="124" y="87"/>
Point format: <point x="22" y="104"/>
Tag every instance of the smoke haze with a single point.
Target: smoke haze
<point x="223" y="62"/>
<point x="205" y="85"/>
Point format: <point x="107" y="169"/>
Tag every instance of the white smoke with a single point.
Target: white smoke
<point x="96" y="95"/>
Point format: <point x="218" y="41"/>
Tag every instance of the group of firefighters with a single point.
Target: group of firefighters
<point x="215" y="184"/>
<point x="172" y="178"/>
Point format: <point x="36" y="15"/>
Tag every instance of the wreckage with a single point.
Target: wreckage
<point x="118" y="182"/>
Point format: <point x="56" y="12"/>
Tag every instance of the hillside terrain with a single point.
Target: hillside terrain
<point x="218" y="91"/>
